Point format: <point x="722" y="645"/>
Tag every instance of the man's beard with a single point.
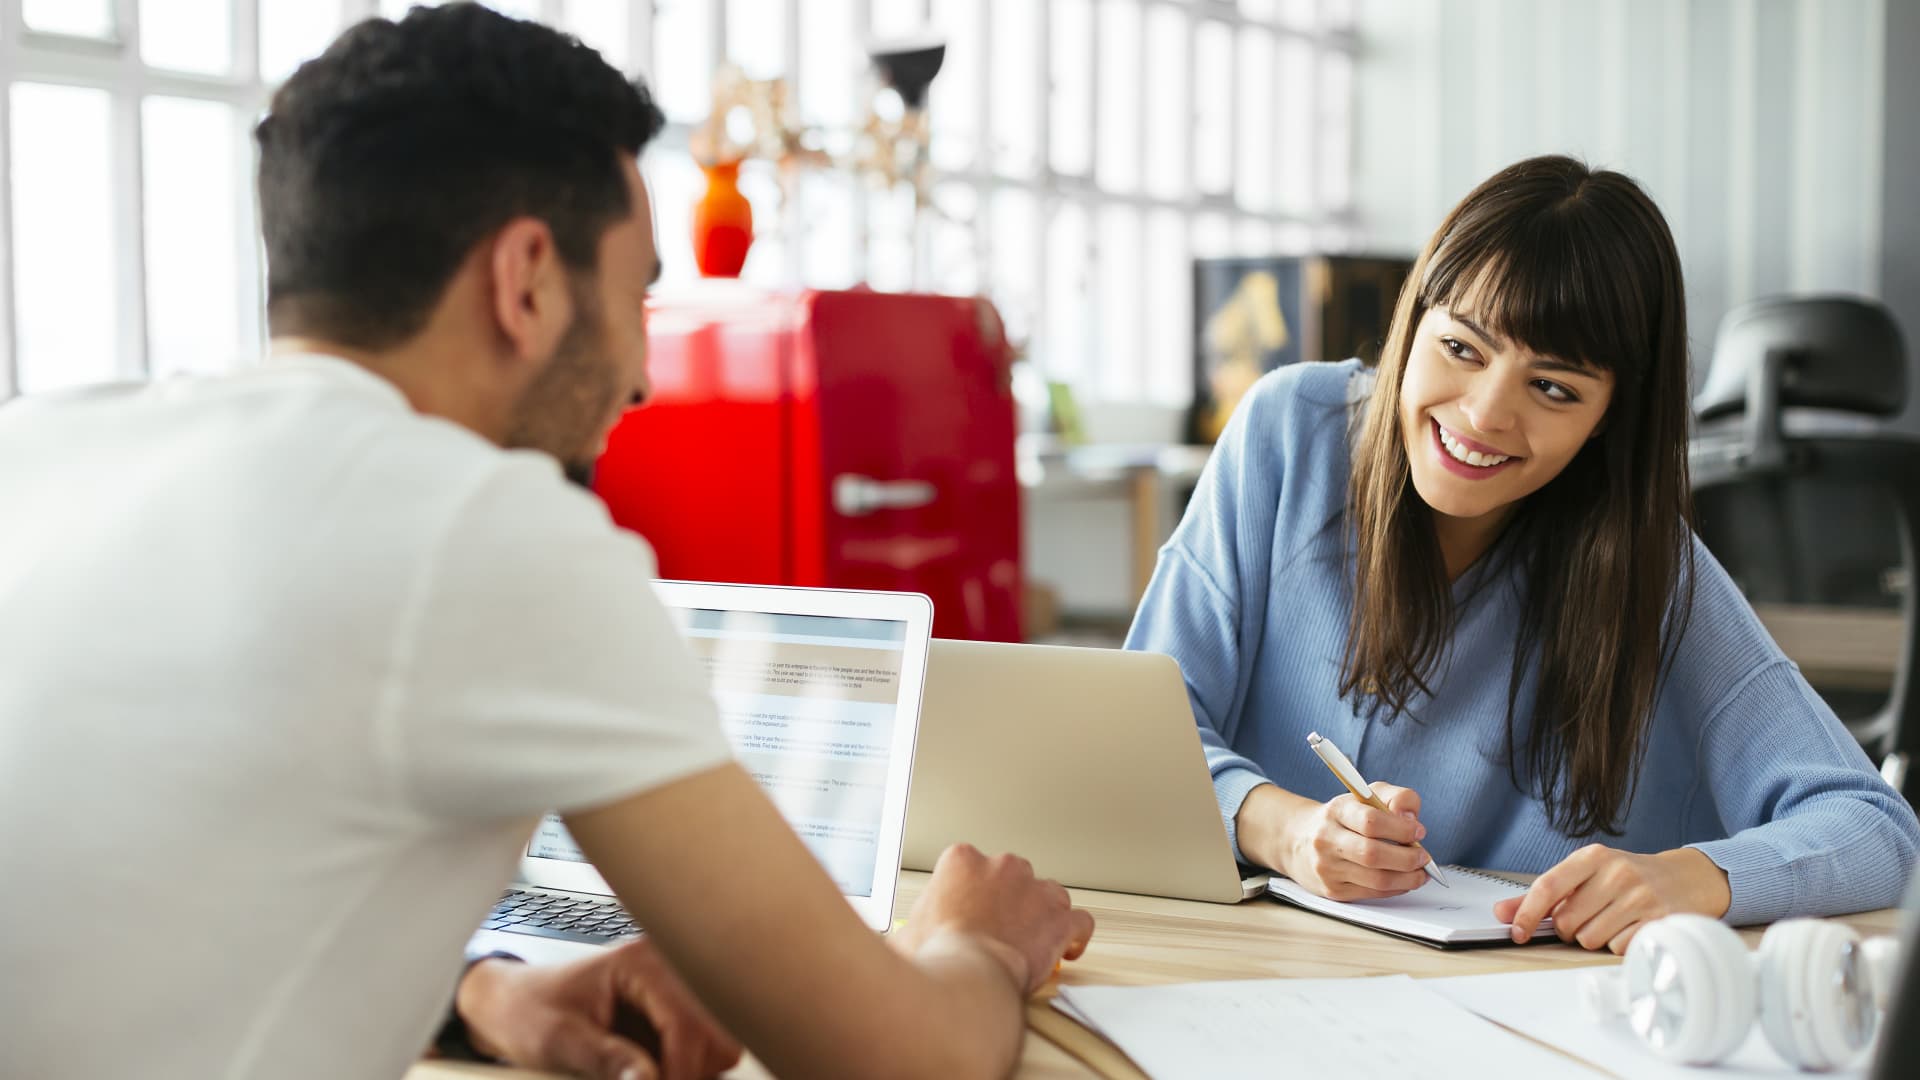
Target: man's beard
<point x="562" y="411"/>
<point x="578" y="474"/>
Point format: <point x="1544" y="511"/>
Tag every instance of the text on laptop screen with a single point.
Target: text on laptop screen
<point x="808" y="702"/>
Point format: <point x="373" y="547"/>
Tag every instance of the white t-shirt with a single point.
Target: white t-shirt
<point x="287" y="675"/>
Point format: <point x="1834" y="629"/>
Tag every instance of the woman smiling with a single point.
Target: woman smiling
<point x="1473" y="569"/>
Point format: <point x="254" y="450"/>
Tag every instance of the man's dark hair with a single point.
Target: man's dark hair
<point x="387" y="158"/>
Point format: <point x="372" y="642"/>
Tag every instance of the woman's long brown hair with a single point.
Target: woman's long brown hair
<point x="1577" y="264"/>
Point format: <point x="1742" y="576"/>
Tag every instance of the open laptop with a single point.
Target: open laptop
<point x="1085" y="761"/>
<point x="819" y="693"/>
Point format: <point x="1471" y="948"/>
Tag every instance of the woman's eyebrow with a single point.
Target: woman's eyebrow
<point x="1554" y="363"/>
<point x="1538" y="363"/>
<point x="1472" y="324"/>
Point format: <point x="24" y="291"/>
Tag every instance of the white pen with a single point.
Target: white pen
<point x="1331" y="756"/>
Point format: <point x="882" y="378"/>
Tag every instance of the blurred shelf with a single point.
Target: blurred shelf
<point x="1851" y="648"/>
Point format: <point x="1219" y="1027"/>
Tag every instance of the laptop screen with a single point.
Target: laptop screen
<point x="810" y="703"/>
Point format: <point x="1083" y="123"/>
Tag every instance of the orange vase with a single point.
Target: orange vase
<point x="722" y="223"/>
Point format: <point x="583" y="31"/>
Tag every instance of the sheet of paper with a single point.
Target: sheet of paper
<point x="1547" y="1006"/>
<point x="1065" y="1006"/>
<point x="1387" y="1026"/>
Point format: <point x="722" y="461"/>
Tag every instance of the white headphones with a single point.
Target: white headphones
<point x="1690" y="990"/>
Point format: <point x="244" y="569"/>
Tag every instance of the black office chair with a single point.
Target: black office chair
<point x="1802" y="491"/>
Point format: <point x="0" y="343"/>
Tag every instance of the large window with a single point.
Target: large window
<point x="1085" y="151"/>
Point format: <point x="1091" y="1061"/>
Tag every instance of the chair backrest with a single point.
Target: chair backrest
<point x="1816" y="512"/>
<point x="1839" y="353"/>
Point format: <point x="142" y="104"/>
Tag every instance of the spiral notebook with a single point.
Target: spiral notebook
<point x="1432" y="914"/>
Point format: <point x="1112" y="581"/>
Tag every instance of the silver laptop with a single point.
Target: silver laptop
<point x="819" y="692"/>
<point x="1085" y="761"/>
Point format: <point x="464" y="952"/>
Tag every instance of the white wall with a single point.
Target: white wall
<point x="1757" y="125"/>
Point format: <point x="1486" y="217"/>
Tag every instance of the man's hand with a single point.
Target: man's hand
<point x="583" y="1018"/>
<point x="1029" y="923"/>
<point x="1600" y="897"/>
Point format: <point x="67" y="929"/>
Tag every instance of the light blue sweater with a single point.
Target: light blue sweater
<point x="1745" y="762"/>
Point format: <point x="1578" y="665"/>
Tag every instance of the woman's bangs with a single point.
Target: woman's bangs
<point x="1536" y="287"/>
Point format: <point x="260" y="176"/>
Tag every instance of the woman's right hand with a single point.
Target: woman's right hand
<point x="1342" y="849"/>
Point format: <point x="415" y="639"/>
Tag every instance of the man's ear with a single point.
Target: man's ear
<point x="531" y="303"/>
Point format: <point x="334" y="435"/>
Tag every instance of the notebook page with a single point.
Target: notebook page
<point x="1463" y="912"/>
<point x="1547" y="1005"/>
<point x="1305" y="1027"/>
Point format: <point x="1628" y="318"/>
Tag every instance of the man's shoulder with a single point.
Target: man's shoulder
<point x="522" y="519"/>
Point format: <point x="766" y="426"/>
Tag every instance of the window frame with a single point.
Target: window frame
<point x="116" y="66"/>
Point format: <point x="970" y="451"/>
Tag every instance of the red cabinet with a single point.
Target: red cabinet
<point x="854" y="439"/>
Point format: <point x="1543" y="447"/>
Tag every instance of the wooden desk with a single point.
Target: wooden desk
<point x="1143" y="940"/>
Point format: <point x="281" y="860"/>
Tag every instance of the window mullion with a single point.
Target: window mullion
<point x="1143" y="360"/>
<point x="1046" y="193"/>
<point x="1234" y="106"/>
<point x="250" y="253"/>
<point x="9" y="340"/>
<point x="129" y="211"/>
<point x="245" y="24"/>
<point x="1191" y="183"/>
<point x="640" y="43"/>
<point x="1317" y="211"/>
<point x="1097" y="16"/>
<point x="792" y="216"/>
<point x="983" y="146"/>
<point x="1276" y="154"/>
<point x="862" y="223"/>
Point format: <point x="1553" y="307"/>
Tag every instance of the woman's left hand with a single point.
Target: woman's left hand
<point x="1600" y="897"/>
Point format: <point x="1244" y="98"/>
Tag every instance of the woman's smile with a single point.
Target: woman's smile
<point x="1464" y="457"/>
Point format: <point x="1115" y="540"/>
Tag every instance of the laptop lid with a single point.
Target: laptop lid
<point x="819" y="693"/>
<point x="1085" y="761"/>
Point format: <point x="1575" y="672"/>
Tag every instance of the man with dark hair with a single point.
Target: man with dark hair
<point x="292" y="660"/>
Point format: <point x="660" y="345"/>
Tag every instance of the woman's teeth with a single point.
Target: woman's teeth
<point x="1471" y="457"/>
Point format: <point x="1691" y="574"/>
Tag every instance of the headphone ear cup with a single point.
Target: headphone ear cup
<point x="1816" y="1006"/>
<point x="1690" y="989"/>
<point x="1603" y="992"/>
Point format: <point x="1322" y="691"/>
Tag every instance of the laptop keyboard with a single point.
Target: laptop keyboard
<point x="562" y="916"/>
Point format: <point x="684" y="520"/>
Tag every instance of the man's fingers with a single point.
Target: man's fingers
<point x="580" y="1048"/>
<point x="692" y="1043"/>
<point x="679" y="1046"/>
<point x="1079" y="933"/>
<point x="691" y="1040"/>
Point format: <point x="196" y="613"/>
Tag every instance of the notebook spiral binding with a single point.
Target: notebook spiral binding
<point x="1485" y="875"/>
